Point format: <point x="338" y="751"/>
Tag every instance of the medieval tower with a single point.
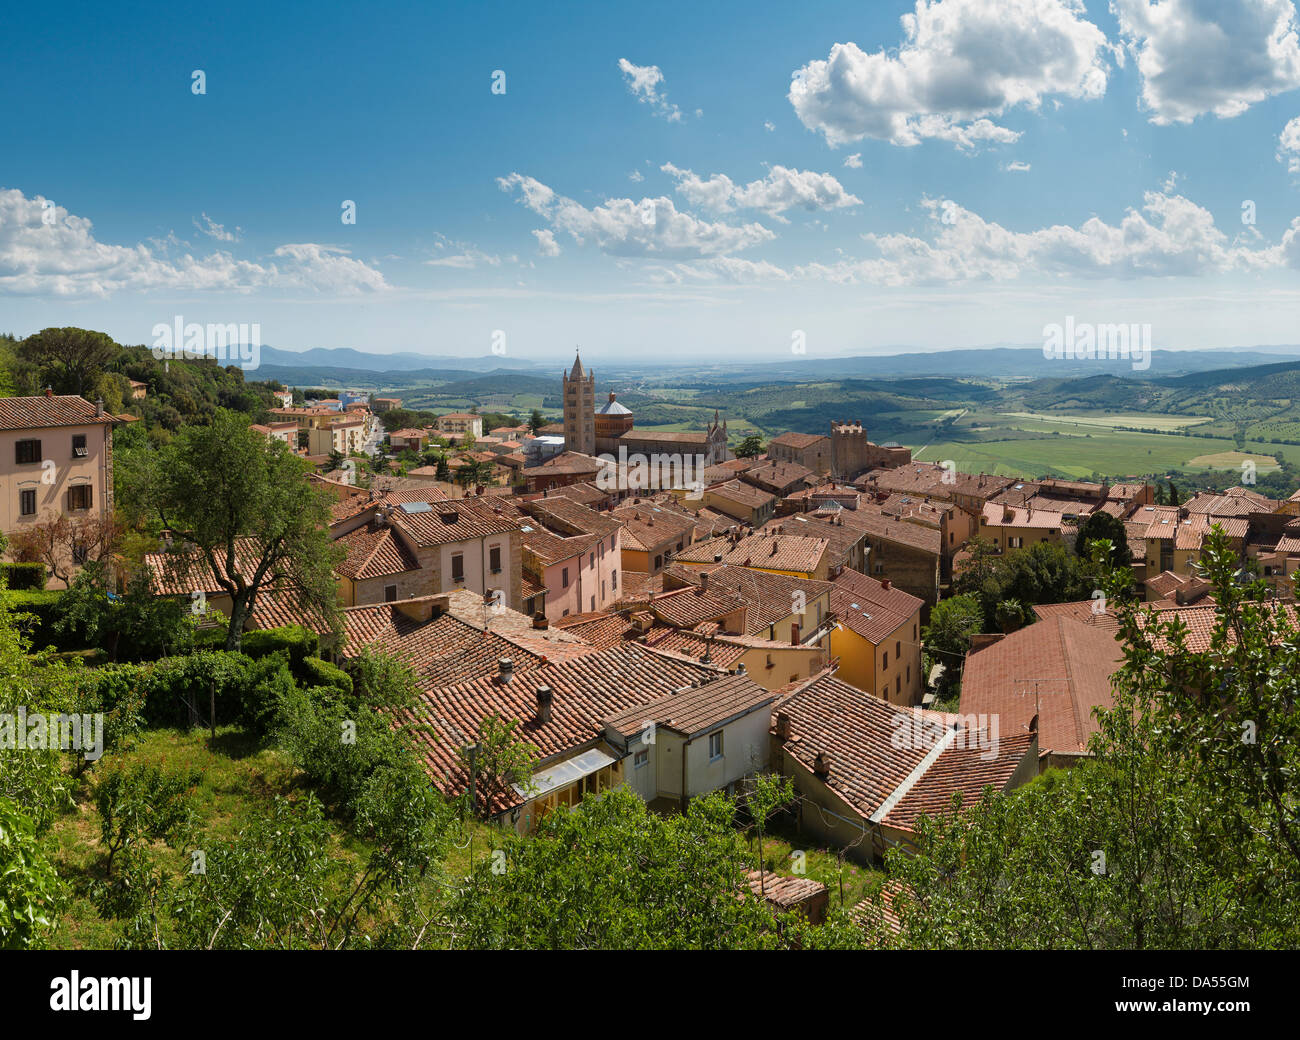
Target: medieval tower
<point x="580" y="410"/>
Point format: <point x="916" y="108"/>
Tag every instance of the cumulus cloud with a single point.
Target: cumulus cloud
<point x="780" y="190"/>
<point x="644" y="83"/>
<point x="1016" y="166"/>
<point x="854" y="161"/>
<point x="1197" y="57"/>
<point x="63" y="258"/>
<point x="961" y="61"/>
<point x="1169" y="236"/>
<point x="1288" y="146"/>
<point x="546" y="244"/>
<point x="652" y="227"/>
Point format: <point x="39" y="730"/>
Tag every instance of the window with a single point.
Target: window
<point x="458" y="567"/>
<point x="640" y="759"/>
<point x="613" y="576"/>
<point x="494" y="559"/>
<point x="79" y="496"/>
<point x="592" y="561"/>
<point x="593" y="604"/>
<point x="898" y="684"/>
<point x="564" y="578"/>
<point x="27" y="502"/>
<point x="715" y="745"/>
<point x="27" y="452"/>
<point x="884" y="660"/>
<point x="390" y="593"/>
<point x="913" y="633"/>
<point x="79" y="445"/>
<point x="898" y="648"/>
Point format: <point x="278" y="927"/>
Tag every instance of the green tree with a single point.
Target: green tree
<point x="71" y="359"/>
<point x="245" y="506"/>
<point x="1110" y="528"/>
<point x="750" y="448"/>
<point x="952" y="623"/>
<point x="536" y="421"/>
<point x="497" y="759"/>
<point x="31" y="893"/>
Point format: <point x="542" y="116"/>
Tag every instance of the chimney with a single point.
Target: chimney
<point x="740" y="669"/>
<point x="49" y="391"/>
<point x="540" y="622"/>
<point x="822" y="765"/>
<point x="782" y="726"/>
<point x="99" y="407"/>
<point x="884" y="584"/>
<point x="505" y="669"/>
<point x="544" y="697"/>
<point x="704" y="581"/>
<point x="717" y="557"/>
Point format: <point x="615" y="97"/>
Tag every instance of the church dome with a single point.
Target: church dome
<point x="612" y="407"/>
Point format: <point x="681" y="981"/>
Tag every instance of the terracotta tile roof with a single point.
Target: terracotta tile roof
<point x="880" y="780"/>
<point x="841" y="539"/>
<point x="375" y="552"/>
<point x="35" y="413"/>
<point x="1080" y="610"/>
<point x="1200" y="620"/>
<point x="276" y="608"/>
<point x="178" y="572"/>
<point x="767" y="597"/>
<point x="552" y="643"/>
<point x="686" y="608"/>
<point x="865" y="606"/>
<point x="766" y="549"/>
<point x="1235" y="501"/>
<point x="442" y="650"/>
<point x="1073" y="661"/>
<point x="783" y="893"/>
<point x="869" y="519"/>
<point x="775" y="475"/>
<point x="1124" y="492"/>
<point x="455" y="520"/>
<point x="601" y="629"/>
<point x="686" y="643"/>
<point x="695" y="711"/>
<point x="1000" y="515"/>
<point x="585" y="693"/>
<point x="798" y="441"/>
<point x="735" y="492"/>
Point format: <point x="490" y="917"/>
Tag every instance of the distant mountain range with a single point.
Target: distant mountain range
<point x="406" y="368"/>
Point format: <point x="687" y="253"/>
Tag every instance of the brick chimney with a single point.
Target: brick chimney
<point x="884" y="584"/>
<point x="782" y="726"/>
<point x="544" y="698"/>
<point x="822" y="765"/>
<point x="540" y="622"/>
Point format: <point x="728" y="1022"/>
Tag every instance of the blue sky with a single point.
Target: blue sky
<point x="692" y="181"/>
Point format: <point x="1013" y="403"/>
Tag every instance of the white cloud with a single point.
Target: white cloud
<point x="1197" y="57"/>
<point x="1170" y="236"/>
<point x="1288" y="146"/>
<point x="961" y="61"/>
<point x="768" y="125"/>
<point x="780" y="190"/>
<point x="546" y="244"/>
<point x="719" y="269"/>
<point x="635" y="177"/>
<point x="854" y="161"/>
<point x="65" y="259"/>
<point x="212" y="229"/>
<point x="1016" y="166"/>
<point x="622" y="227"/>
<point x="644" y="81"/>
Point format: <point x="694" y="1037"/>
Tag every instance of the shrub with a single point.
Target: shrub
<point x="316" y="672"/>
<point x="300" y="643"/>
<point x="43" y="608"/>
<point x="23" y="577"/>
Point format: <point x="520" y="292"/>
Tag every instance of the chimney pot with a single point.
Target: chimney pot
<point x="505" y="669"/>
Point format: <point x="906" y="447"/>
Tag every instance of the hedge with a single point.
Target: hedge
<point x="23" y="577"/>
<point x="316" y="672"/>
<point x="300" y="643"/>
<point x="43" y="606"/>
